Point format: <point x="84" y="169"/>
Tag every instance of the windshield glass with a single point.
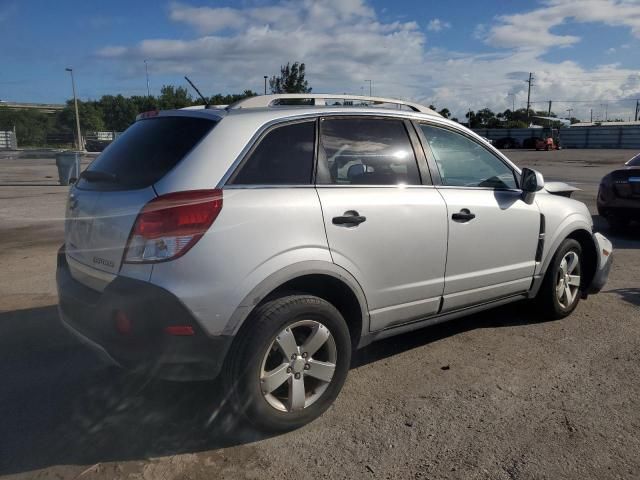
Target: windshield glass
<point x="634" y="162"/>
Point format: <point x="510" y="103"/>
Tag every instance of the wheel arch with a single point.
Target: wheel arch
<point x="322" y="279"/>
<point x="589" y="256"/>
<point x="589" y="253"/>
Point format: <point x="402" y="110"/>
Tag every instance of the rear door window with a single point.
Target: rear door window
<point x="145" y="152"/>
<point x="284" y="156"/>
<point x="367" y="151"/>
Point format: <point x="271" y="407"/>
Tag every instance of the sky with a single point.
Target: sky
<point x="585" y="55"/>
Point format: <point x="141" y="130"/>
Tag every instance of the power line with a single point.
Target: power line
<point x="597" y="100"/>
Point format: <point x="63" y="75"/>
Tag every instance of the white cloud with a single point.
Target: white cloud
<point x="437" y="25"/>
<point x="344" y="42"/>
<point x="533" y="29"/>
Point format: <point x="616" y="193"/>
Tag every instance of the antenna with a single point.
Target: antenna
<point x="206" y="104"/>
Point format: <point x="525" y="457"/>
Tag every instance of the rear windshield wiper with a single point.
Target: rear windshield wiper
<point x="99" y="176"/>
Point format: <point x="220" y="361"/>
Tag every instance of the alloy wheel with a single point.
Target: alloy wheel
<point x="298" y="366"/>
<point x="568" y="279"/>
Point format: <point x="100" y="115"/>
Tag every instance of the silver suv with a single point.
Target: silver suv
<point x="267" y="240"/>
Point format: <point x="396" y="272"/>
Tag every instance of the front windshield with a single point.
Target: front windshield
<point x="634" y="162"/>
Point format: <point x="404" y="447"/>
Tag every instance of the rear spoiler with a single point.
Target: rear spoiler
<point x="155" y="113"/>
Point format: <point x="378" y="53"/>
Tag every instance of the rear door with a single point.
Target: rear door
<point x="383" y="224"/>
<point x="104" y="203"/>
<point x="493" y="233"/>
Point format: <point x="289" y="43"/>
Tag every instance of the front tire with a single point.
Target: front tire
<point x="290" y="362"/>
<point x="561" y="288"/>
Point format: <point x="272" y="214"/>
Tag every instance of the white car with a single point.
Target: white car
<point x="265" y="242"/>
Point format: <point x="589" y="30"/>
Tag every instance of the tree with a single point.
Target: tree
<point x="174" y="97"/>
<point x="118" y="112"/>
<point x="90" y="117"/>
<point x="445" y="112"/>
<point x="291" y="80"/>
<point x="31" y="126"/>
<point x="219" y="99"/>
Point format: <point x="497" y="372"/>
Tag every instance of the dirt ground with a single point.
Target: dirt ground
<point x="500" y="395"/>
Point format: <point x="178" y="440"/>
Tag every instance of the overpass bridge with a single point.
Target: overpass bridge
<point x="42" y="107"/>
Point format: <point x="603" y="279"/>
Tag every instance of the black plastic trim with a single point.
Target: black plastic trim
<point x="151" y="308"/>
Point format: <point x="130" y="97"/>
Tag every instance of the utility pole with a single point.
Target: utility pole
<point x="530" y="82"/>
<point x="513" y="101"/>
<point x="549" y="113"/>
<point x="146" y="70"/>
<point x="637" y="109"/>
<point x="569" y="110"/>
<point x="75" y="101"/>
<point x="591" y="114"/>
<point x="265" y="84"/>
<point x="606" y="112"/>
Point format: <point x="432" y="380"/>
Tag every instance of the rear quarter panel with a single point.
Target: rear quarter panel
<point x="259" y="232"/>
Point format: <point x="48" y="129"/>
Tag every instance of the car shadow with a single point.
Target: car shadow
<point x="511" y="315"/>
<point x="629" y="295"/>
<point x="61" y="406"/>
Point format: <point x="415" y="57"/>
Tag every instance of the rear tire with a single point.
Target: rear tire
<point x="561" y="289"/>
<point x="289" y="363"/>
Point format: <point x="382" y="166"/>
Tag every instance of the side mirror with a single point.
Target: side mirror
<point x="531" y="181"/>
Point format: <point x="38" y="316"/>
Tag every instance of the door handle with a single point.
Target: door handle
<point x="463" y="215"/>
<point x="350" y="218"/>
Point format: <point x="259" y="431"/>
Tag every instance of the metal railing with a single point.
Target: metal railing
<point x="8" y="140"/>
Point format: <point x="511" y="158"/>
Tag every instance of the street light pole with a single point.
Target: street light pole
<point x="75" y="101"/>
<point x="265" y="84"/>
<point x="569" y="110"/>
<point x="146" y="70"/>
<point x="370" y="87"/>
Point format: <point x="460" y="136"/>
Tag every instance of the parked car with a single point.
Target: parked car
<point x="265" y="243"/>
<point x="506" y="143"/>
<point x="619" y="195"/>
<point x="546" y="144"/>
<point x="531" y="142"/>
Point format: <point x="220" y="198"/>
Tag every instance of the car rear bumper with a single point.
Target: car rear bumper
<point x="145" y="345"/>
<point x="609" y="204"/>
<point x="604" y="250"/>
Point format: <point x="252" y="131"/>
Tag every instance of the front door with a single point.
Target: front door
<point x="382" y="224"/>
<point x="493" y="233"/>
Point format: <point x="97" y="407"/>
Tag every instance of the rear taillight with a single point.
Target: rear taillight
<point x="168" y="226"/>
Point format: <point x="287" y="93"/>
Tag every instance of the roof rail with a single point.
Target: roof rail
<point x="320" y="99"/>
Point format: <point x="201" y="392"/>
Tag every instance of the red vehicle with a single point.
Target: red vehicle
<point x="546" y="144"/>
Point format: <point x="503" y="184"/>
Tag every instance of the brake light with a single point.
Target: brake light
<point x="149" y="114"/>
<point x="168" y="226"/>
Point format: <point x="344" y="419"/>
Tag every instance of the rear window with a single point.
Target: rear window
<point x="145" y="152"/>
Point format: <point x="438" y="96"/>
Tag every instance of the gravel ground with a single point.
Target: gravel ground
<point x="501" y="395"/>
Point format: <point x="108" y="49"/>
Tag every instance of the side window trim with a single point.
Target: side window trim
<point x="433" y="166"/>
<point x="255" y="143"/>
<point x="323" y="178"/>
